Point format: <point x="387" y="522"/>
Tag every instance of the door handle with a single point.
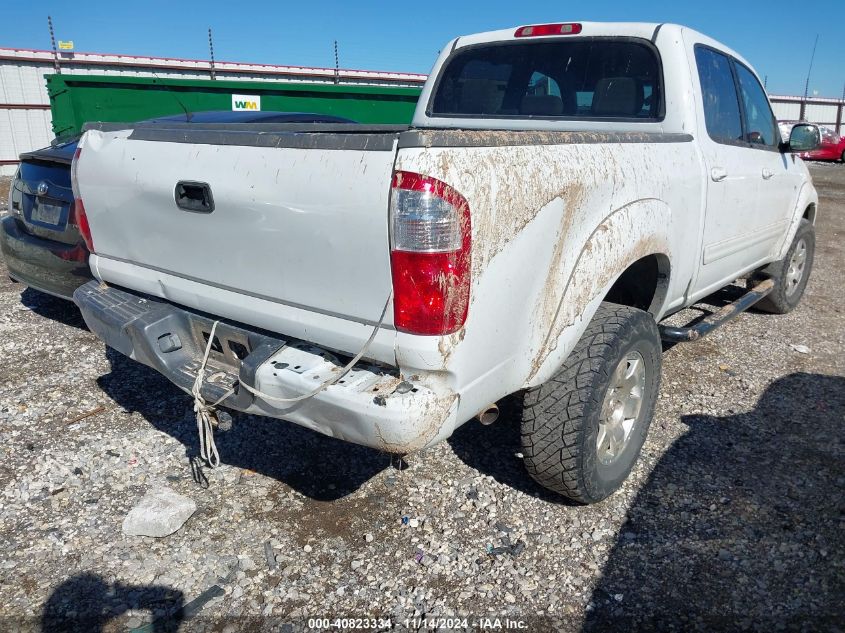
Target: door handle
<point x="717" y="174"/>
<point x="767" y="173"/>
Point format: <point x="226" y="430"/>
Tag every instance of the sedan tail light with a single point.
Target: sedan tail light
<point x="77" y="214"/>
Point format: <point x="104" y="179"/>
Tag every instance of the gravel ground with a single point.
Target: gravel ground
<point x="5" y="183"/>
<point x="733" y="518"/>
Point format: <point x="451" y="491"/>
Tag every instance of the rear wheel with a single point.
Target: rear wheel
<point x="790" y="274"/>
<point x="583" y="430"/>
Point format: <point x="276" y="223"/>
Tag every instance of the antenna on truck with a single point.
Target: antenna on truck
<point x="187" y="112"/>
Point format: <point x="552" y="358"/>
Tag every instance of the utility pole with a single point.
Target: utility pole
<point x="807" y="83"/>
<point x="336" y="64"/>
<point x="53" y="44"/>
<point x="211" y="50"/>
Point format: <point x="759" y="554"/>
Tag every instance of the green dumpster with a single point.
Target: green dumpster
<point x="78" y="99"/>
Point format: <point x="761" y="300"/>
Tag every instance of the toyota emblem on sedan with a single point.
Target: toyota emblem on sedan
<point x="42" y="188"/>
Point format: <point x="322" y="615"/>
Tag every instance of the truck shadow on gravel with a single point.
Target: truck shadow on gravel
<point x="87" y="603"/>
<point x="739" y="526"/>
<point x="319" y="467"/>
<point x="53" y="308"/>
<point x="492" y="450"/>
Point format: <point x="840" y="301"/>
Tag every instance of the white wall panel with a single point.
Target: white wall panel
<point x="22" y="131"/>
<point x="786" y="111"/>
<point x="820" y="113"/>
<point x="22" y="83"/>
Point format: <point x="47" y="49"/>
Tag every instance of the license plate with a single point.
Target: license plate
<point x="47" y="213"/>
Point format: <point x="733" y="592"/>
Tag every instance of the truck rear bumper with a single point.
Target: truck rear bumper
<point x="372" y="405"/>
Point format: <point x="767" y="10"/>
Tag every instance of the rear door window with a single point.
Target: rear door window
<point x="718" y="92"/>
<point x="587" y="78"/>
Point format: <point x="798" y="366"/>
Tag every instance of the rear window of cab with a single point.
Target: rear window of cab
<point x="584" y="78"/>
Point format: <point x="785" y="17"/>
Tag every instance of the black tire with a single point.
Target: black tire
<point x="560" y="420"/>
<point x="786" y="294"/>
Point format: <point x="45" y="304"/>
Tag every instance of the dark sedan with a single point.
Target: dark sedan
<point x="40" y="240"/>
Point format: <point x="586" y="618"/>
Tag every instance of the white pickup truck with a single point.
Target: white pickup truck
<point x="562" y="188"/>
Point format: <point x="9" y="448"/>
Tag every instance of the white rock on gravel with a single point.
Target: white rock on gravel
<point x="159" y="513"/>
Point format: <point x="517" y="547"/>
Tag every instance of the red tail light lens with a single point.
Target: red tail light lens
<point x="76" y="254"/>
<point x="81" y="222"/>
<point x="541" y="30"/>
<point x="430" y="255"/>
<point x="74" y="169"/>
<point x="77" y="214"/>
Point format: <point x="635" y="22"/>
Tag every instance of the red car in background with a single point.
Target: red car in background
<point x="832" y="146"/>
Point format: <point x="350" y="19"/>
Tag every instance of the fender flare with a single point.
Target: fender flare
<point x="807" y="196"/>
<point x="631" y="232"/>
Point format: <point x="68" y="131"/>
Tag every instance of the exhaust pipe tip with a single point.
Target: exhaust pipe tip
<point x="488" y="415"/>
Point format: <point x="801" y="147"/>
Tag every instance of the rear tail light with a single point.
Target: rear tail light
<point x="15" y="195"/>
<point x="430" y="255"/>
<point x="79" y="218"/>
<point x="74" y="172"/>
<point x="75" y="254"/>
<point x="77" y="213"/>
<point x="541" y="30"/>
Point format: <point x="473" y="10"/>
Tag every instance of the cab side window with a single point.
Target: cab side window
<point x="760" y="125"/>
<point x="718" y="91"/>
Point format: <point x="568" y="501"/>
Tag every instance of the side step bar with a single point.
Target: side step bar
<point x="720" y="317"/>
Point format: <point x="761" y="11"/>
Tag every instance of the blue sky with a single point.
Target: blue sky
<point x="776" y="36"/>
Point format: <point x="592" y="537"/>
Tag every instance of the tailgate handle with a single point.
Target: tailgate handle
<point x="194" y="196"/>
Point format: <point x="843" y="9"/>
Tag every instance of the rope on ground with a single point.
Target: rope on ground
<point x="205" y="412"/>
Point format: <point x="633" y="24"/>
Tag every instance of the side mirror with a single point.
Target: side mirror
<point x="804" y="137"/>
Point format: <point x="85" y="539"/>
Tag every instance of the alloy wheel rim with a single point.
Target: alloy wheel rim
<point x="797" y="264"/>
<point x="621" y="407"/>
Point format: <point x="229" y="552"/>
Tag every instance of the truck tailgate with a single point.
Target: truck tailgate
<point x="298" y="219"/>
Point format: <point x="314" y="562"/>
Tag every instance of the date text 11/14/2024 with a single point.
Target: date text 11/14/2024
<point x="484" y="624"/>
